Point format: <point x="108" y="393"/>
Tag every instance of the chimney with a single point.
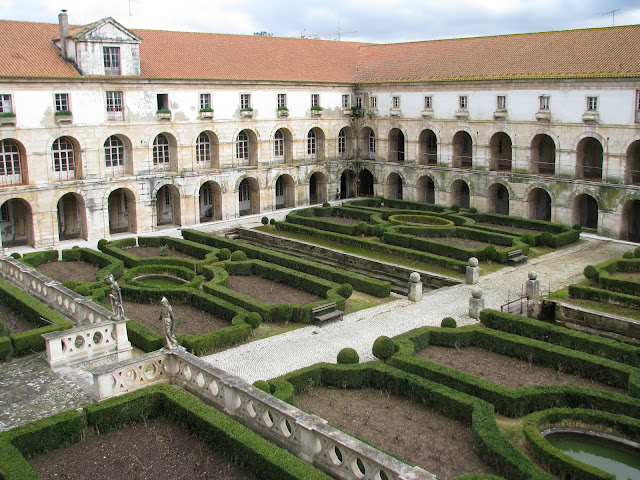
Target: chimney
<point x="63" y="21"/>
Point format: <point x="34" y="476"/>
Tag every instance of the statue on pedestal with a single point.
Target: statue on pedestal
<point x="169" y="322"/>
<point x="116" y="298"/>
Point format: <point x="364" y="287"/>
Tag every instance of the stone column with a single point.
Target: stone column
<point x="415" y="287"/>
<point x="476" y="303"/>
<point x="533" y="286"/>
<point x="473" y="271"/>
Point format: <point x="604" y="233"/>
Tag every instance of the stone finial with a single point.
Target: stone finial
<point x="476" y="303"/>
<point x="414" y="277"/>
<point x="415" y="287"/>
<point x="473" y="262"/>
<point x="533" y="275"/>
<point x="533" y="286"/>
<point x="473" y="272"/>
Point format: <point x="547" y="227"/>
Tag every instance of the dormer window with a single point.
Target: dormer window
<point x="111" y="60"/>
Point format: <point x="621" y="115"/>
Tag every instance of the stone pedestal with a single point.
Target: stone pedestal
<point x="415" y="287"/>
<point x="533" y="286"/>
<point x="473" y="271"/>
<point x="476" y="303"/>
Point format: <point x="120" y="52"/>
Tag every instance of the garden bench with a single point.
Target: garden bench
<point x="332" y="310"/>
<point x="516" y="256"/>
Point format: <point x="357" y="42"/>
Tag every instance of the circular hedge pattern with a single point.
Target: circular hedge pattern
<point x="420" y="220"/>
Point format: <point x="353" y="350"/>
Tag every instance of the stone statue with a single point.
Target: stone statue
<point x="169" y="322"/>
<point x="116" y="298"/>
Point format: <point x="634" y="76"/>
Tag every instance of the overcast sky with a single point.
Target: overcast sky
<point x="380" y="21"/>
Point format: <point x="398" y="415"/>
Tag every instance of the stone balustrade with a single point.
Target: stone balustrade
<point x="86" y="343"/>
<point x="305" y="435"/>
<point x="80" y="310"/>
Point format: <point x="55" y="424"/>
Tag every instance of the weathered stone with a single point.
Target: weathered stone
<point x="473" y="271"/>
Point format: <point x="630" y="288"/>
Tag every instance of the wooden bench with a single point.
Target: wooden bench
<point x="516" y="256"/>
<point x="330" y="308"/>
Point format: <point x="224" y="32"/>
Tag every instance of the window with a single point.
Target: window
<point x="428" y="103"/>
<point x="205" y="101"/>
<point x="311" y="143"/>
<point x="545" y="101"/>
<point x="592" y="104"/>
<point x="278" y="144"/>
<point x="342" y="142"/>
<point x="464" y="101"/>
<point x="502" y="102"/>
<point x="282" y="101"/>
<point x="345" y="101"/>
<point x="63" y="155"/>
<point x="372" y="142"/>
<point x="161" y="150"/>
<point x="207" y="195"/>
<point x="9" y="158"/>
<point x="5" y="104"/>
<point x="245" y="101"/>
<point x="203" y="149"/>
<point x="167" y="197"/>
<point x="62" y="102"/>
<point x="373" y="102"/>
<point x="163" y="101"/>
<point x="638" y="100"/>
<point x="115" y="109"/>
<point x="111" y="60"/>
<point x="315" y="99"/>
<point x="113" y="152"/>
<point x="279" y="187"/>
<point x="4" y="212"/>
<point x="395" y="102"/>
<point x="242" y="146"/>
<point x="244" y="192"/>
<point x="358" y="102"/>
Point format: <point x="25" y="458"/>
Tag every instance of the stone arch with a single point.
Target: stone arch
<point x="317" y="188"/>
<point x="630" y="220"/>
<point x="66" y="158"/>
<point x="426" y="189"/>
<point x="462" y="149"/>
<point x="122" y="211"/>
<point x="72" y="217"/>
<point x="501" y="148"/>
<point x="117" y="155"/>
<point x="315" y="144"/>
<point x="16" y="223"/>
<point x="346" y="143"/>
<point x="207" y="149"/>
<point x="285" y="191"/>
<point x="13" y="162"/>
<point x="164" y="152"/>
<point x="347" y="184"/>
<point x="632" y="168"/>
<point x="589" y="159"/>
<point x="543" y="154"/>
<point x="248" y="196"/>
<point x="209" y="201"/>
<point x="394" y="186"/>
<point x="397" y="145"/>
<point x="282" y="145"/>
<point x="498" y="199"/>
<point x="366" y="183"/>
<point x="460" y="193"/>
<point x="539" y="202"/>
<point x="246" y="147"/>
<point x="427" y="147"/>
<point x="585" y="211"/>
<point x="167" y="203"/>
<point x="368" y="143"/>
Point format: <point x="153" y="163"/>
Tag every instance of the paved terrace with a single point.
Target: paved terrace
<point x="30" y="390"/>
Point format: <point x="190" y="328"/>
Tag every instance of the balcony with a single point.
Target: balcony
<point x="500" y="114"/>
<point x="206" y="114"/>
<point x="395" y="112"/>
<point x="427" y="113"/>
<point x="163" y="114"/>
<point x="246" y="112"/>
<point x="591" y="117"/>
<point x="462" y="114"/>
<point x="543" y="116"/>
<point x="316" y="111"/>
<point x="283" y="112"/>
<point x="63" y="117"/>
<point x="7" y="119"/>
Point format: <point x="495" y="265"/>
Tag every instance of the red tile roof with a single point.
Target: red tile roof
<point x="26" y="50"/>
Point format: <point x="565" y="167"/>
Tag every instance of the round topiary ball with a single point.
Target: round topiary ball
<point x="238" y="256"/>
<point x="262" y="385"/>
<point x="378" y="231"/>
<point x="272" y="221"/>
<point x="101" y="243"/>
<point x="627" y="255"/>
<point x="326" y="204"/>
<point x="448" y="322"/>
<point x="577" y="227"/>
<point x="473" y="210"/>
<point x="223" y="254"/>
<point x="253" y="319"/>
<point x="455" y="208"/>
<point x="264" y="220"/>
<point x="546" y="239"/>
<point x="590" y="272"/>
<point x="491" y="252"/>
<point x="362" y="228"/>
<point x="345" y="290"/>
<point x="383" y="348"/>
<point x="529" y="239"/>
<point x="16" y="255"/>
<point x="347" y="356"/>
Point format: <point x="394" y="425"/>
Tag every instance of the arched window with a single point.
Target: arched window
<point x="9" y="158"/>
<point x="242" y="146"/>
<point x="278" y="144"/>
<point x="203" y="149"/>
<point x="114" y="152"/>
<point x="161" y="150"/>
<point x="342" y="142"/>
<point x="63" y="155"/>
<point x="311" y="143"/>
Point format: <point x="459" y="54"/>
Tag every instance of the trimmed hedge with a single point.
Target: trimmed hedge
<point x="37" y="258"/>
<point x="5" y="348"/>
<point x="600" y="295"/>
<point x="237" y="442"/>
<point x="109" y="265"/>
<point x="175" y="271"/>
<point x="362" y="283"/>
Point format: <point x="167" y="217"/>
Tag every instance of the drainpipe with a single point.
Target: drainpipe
<point x="63" y="21"/>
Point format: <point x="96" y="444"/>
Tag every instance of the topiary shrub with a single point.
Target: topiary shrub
<point x="264" y="220"/>
<point x="223" y="254"/>
<point x="379" y="231"/>
<point x="529" y="239"/>
<point x="254" y="319"/>
<point x="326" y="204"/>
<point x="345" y="290"/>
<point x="16" y="255"/>
<point x="448" y="322"/>
<point x="102" y="242"/>
<point x="348" y="356"/>
<point x="282" y="313"/>
<point x="546" y="239"/>
<point x="238" y="256"/>
<point x="577" y="227"/>
<point x="272" y="222"/>
<point x="627" y="255"/>
<point x="383" y="348"/>
<point x="491" y="252"/>
<point x="636" y="252"/>
<point x="473" y="210"/>
<point x="590" y="272"/>
<point x="455" y="208"/>
<point x="362" y="228"/>
<point x="262" y="385"/>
